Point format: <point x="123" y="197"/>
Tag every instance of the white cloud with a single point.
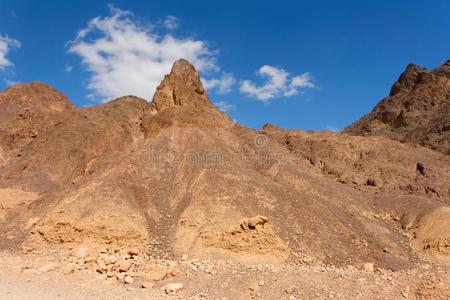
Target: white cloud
<point x="10" y="82"/>
<point x="68" y="68"/>
<point x="125" y="57"/>
<point x="224" y="106"/>
<point x="6" y="45"/>
<point x="279" y="83"/>
<point x="222" y="85"/>
<point x="171" y="22"/>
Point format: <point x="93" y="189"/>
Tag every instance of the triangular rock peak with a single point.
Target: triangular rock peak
<point x="182" y="87"/>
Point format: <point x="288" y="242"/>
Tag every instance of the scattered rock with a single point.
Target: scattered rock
<point x="128" y="279"/>
<point x="51" y="266"/>
<point x="69" y="269"/>
<point x="147" y="285"/>
<point x="252" y="223"/>
<point x="157" y="274"/>
<point x="368" y="267"/>
<point x="110" y="274"/>
<point x="89" y="260"/>
<point x="26" y="249"/>
<point x="133" y="252"/>
<point x="173" y="288"/>
<point x="110" y="260"/>
<point x="123" y="265"/>
<point x="101" y="267"/>
<point x="120" y="276"/>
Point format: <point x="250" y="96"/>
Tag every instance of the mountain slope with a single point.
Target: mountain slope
<point x="416" y="111"/>
<point x="178" y="176"/>
<point x="26" y="110"/>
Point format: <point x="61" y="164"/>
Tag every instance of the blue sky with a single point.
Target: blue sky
<point x="297" y="64"/>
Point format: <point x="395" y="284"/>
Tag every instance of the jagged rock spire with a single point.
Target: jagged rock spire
<point x="182" y="87"/>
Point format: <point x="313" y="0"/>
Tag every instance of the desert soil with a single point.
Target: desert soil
<point x="222" y="280"/>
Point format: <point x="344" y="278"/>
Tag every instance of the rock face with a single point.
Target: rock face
<point x="417" y="110"/>
<point x="182" y="87"/>
<point x="177" y="176"/>
<point x="27" y="110"/>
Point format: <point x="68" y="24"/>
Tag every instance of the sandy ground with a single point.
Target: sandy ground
<point x="229" y="282"/>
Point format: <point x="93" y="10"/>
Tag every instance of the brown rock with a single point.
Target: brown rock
<point x="69" y="269"/>
<point x="368" y="267"/>
<point x="101" y="267"/>
<point x="26" y="249"/>
<point x="50" y="266"/>
<point x="133" y="252"/>
<point x="156" y="274"/>
<point x="147" y="284"/>
<point x="110" y="274"/>
<point x="252" y="223"/>
<point x="182" y="87"/>
<point x="120" y="276"/>
<point x="416" y="110"/>
<point x="124" y="265"/>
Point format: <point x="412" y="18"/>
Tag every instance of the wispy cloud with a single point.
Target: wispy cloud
<point x="224" y="106"/>
<point x="68" y="68"/>
<point x="171" y="22"/>
<point x="6" y="45"/>
<point x="124" y="56"/>
<point x="222" y="85"/>
<point x="279" y="83"/>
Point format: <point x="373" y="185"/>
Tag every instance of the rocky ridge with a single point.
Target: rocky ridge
<point x="417" y="110"/>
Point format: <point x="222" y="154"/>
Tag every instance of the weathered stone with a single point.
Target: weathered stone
<point x="69" y="269"/>
<point x="368" y="267"/>
<point x="123" y="265"/>
<point x="133" y="252"/>
<point x="174" y="287"/>
<point x="147" y="284"/>
<point x="26" y="249"/>
<point x="50" y="266"/>
<point x="128" y="279"/>
<point x="110" y="274"/>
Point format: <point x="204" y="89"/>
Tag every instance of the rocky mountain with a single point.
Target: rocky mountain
<point x="417" y="110"/>
<point x="178" y="177"/>
<point x="28" y="109"/>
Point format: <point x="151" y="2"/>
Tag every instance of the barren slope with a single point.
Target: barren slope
<point x="416" y="111"/>
<point x="26" y="111"/>
<point x="177" y="176"/>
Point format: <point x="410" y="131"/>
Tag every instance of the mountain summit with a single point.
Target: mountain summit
<point x="416" y="111"/>
<point x="182" y="87"/>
